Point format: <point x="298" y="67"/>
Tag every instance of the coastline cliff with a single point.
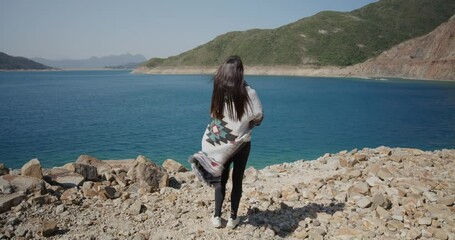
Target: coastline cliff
<point x="428" y="57"/>
<point x="379" y="193"/>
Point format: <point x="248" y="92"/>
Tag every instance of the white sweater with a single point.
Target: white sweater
<point x="222" y="138"/>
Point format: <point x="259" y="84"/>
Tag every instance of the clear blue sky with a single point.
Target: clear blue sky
<point x="56" y="29"/>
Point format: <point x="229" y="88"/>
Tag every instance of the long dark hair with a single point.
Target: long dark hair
<point x="230" y="88"/>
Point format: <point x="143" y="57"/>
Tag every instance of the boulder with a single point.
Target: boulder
<point x="360" y="157"/>
<point x="110" y="192"/>
<point x="21" y="183"/>
<point x="7" y="201"/>
<point x="136" y="208"/>
<point x="71" y="196"/>
<point x="183" y="177"/>
<point x="147" y="173"/>
<point x="289" y="193"/>
<point x="384" y="174"/>
<point x="439" y="211"/>
<point x="89" y="160"/>
<point x="343" y="162"/>
<point x="374" y="181"/>
<point x="89" y="172"/>
<point x="37" y="200"/>
<point x="101" y="166"/>
<point x="363" y="202"/>
<point x="173" y="166"/>
<point x="64" y="178"/>
<point x="48" y="228"/>
<point x="3" y="169"/>
<point x="70" y="167"/>
<point x="6" y="188"/>
<point x="32" y="169"/>
<point x="88" y="191"/>
<point x="380" y="200"/>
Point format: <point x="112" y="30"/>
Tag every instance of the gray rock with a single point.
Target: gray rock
<point x="13" y="221"/>
<point x="381" y="200"/>
<point x="110" y="192"/>
<point x="360" y="157"/>
<point x="24" y="184"/>
<point x="147" y="173"/>
<point x="440" y="211"/>
<point x="384" y="174"/>
<point x="173" y="166"/>
<point x="424" y="221"/>
<point x="448" y="201"/>
<point x="374" y="181"/>
<point x="87" y="171"/>
<point x="101" y="166"/>
<point x="363" y="202"/>
<point x="60" y="209"/>
<point x="289" y="193"/>
<point x="20" y="231"/>
<point x="71" y="196"/>
<point x="66" y="179"/>
<point x="439" y="233"/>
<point x="136" y="208"/>
<point x="3" y="169"/>
<point x="395" y="225"/>
<point x="413" y="233"/>
<point x="37" y="200"/>
<point x="383" y="214"/>
<point x="7" y="188"/>
<point x="48" y="228"/>
<point x="343" y="162"/>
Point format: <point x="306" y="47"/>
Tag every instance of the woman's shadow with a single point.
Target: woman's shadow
<point x="286" y="219"/>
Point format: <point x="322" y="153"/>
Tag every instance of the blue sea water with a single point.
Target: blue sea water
<point x="57" y="116"/>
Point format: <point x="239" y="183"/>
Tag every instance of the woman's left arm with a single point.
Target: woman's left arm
<point x="256" y="107"/>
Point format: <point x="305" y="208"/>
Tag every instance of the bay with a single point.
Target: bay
<point x="57" y="116"/>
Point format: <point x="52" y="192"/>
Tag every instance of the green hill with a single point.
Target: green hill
<point x="8" y="62"/>
<point x="327" y="38"/>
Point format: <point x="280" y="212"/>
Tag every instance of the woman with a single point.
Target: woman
<point x="235" y="110"/>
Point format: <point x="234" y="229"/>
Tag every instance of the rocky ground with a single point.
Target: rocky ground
<point x="379" y="193"/>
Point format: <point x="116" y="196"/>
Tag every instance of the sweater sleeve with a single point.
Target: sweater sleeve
<point x="256" y="107"/>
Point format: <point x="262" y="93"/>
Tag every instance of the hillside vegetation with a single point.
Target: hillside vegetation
<point x="8" y="62"/>
<point x="327" y="38"/>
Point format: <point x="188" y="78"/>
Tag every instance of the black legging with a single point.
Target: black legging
<point x="239" y="159"/>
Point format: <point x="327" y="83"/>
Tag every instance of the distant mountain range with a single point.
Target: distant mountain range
<point x="326" y="39"/>
<point x="8" y="62"/>
<point x="114" y="61"/>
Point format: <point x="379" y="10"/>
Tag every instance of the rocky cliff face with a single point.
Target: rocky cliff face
<point x="431" y="56"/>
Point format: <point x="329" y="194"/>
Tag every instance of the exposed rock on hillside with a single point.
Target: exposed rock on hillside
<point x="379" y="193"/>
<point x="428" y="57"/>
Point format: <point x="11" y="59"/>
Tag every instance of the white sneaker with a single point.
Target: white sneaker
<point x="216" y="222"/>
<point x="232" y="223"/>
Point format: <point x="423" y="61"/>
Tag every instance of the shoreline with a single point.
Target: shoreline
<point x="332" y="72"/>
<point x="335" y="72"/>
<point x="372" y="193"/>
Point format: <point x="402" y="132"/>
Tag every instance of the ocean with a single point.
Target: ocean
<point x="57" y="116"/>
